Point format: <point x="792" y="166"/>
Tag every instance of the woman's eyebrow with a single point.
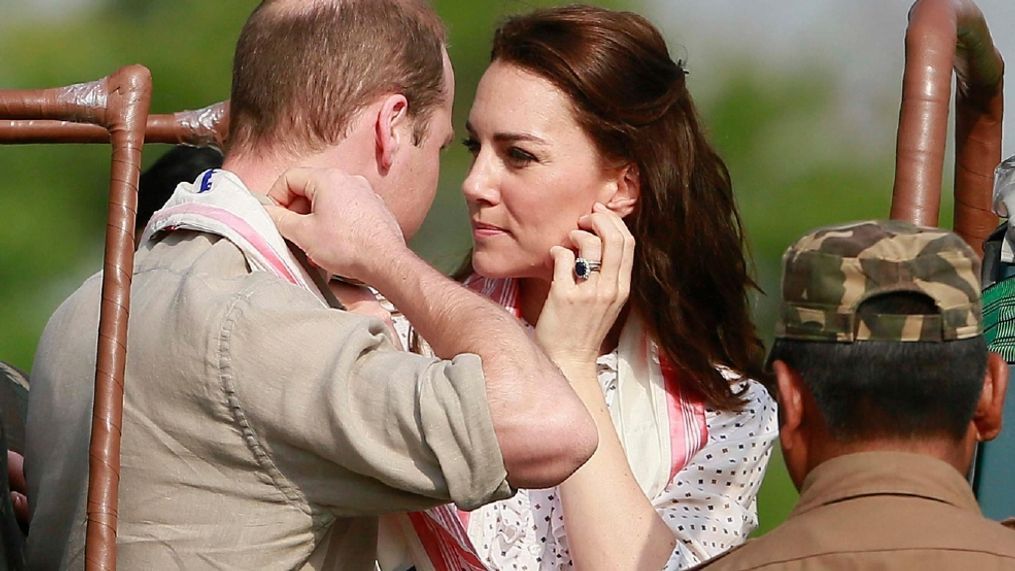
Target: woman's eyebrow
<point x="515" y="137"/>
<point x="508" y="137"/>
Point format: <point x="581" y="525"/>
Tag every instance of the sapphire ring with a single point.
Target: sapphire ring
<point x="583" y="268"/>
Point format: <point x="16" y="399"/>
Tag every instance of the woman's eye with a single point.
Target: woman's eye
<point x="520" y="157"/>
<point x="471" y="145"/>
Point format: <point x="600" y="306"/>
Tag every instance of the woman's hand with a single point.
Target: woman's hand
<point x="578" y="314"/>
<point x="361" y="300"/>
<point x="576" y="319"/>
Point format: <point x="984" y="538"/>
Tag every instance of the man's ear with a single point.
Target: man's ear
<point x="791" y="403"/>
<point x="627" y="191"/>
<point x="390" y="129"/>
<point x="793" y="424"/>
<point x="990" y="407"/>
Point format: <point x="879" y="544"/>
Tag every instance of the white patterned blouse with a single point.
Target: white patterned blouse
<point x="710" y="504"/>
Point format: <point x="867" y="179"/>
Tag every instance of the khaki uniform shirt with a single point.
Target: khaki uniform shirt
<point x="881" y="510"/>
<point x="261" y="429"/>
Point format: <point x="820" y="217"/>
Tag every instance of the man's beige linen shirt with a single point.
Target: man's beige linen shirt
<point x="881" y="510"/>
<point x="261" y="429"/>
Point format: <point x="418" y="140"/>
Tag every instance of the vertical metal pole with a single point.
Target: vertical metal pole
<point x="129" y="97"/>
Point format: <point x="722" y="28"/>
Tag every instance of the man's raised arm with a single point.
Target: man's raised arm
<point x="543" y="429"/>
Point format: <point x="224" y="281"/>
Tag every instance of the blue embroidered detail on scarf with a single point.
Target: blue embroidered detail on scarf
<point x="206" y="181"/>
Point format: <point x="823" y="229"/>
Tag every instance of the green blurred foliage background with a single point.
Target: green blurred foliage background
<point x="790" y="168"/>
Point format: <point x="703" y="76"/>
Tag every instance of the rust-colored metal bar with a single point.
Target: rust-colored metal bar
<point x="130" y="91"/>
<point x="119" y="105"/>
<point x="947" y="35"/>
<point x="201" y="128"/>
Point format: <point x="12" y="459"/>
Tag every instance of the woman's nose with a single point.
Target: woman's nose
<point x="480" y="184"/>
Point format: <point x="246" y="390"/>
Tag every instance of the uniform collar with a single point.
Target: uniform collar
<point x="884" y="473"/>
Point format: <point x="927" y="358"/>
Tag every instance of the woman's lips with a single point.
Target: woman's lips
<point x="483" y="230"/>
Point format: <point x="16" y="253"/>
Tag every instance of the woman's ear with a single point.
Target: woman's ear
<point x="390" y="129"/>
<point x="628" y="191"/>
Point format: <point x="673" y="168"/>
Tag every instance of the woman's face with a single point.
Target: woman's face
<point x="534" y="173"/>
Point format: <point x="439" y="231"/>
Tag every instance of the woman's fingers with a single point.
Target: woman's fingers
<point x="628" y="246"/>
<point x="615" y="220"/>
<point x="590" y="247"/>
<point x="563" y="266"/>
<point x="611" y="242"/>
<point x="579" y="313"/>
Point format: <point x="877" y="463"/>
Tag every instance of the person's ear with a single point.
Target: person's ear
<point x="791" y="403"/>
<point x="390" y="129"/>
<point x="626" y="191"/>
<point x="990" y="407"/>
<point x="793" y="425"/>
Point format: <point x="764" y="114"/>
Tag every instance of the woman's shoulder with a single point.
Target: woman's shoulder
<point x="751" y="389"/>
<point x="758" y="413"/>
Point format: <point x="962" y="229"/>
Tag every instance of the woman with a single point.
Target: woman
<point x="585" y="142"/>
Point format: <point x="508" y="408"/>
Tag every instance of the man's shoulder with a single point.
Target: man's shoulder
<point x="774" y="547"/>
<point x="983" y="534"/>
<point x="873" y="528"/>
<point x="190" y="253"/>
<point x="182" y="286"/>
<point x="80" y="306"/>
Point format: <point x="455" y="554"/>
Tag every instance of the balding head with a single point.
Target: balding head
<point x="303" y="68"/>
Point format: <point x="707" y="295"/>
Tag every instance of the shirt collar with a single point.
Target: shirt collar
<point x="884" y="473"/>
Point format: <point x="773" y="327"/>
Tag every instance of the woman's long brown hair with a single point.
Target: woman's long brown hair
<point x="690" y="282"/>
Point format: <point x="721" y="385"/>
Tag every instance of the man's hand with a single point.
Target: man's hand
<point x="337" y="219"/>
<point x="19" y="489"/>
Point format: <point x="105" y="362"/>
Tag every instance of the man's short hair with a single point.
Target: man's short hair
<point x="882" y="320"/>
<point x="302" y="70"/>
<point x="894" y="390"/>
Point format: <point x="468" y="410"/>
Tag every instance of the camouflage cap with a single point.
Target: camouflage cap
<point x="829" y="272"/>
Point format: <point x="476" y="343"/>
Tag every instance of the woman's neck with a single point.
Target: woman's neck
<point x="532" y="294"/>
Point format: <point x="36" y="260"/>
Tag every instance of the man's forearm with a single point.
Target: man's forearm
<point x="543" y="429"/>
<point x="527" y="394"/>
<point x="452" y="318"/>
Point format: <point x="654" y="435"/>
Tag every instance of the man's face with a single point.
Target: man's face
<point x="412" y="182"/>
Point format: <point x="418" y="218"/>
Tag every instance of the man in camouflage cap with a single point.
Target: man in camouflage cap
<point x="885" y="386"/>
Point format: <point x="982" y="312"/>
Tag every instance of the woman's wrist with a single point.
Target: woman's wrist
<point x="577" y="368"/>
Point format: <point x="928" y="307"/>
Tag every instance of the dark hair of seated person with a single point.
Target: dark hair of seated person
<point x="181" y="164"/>
<point x="892" y="390"/>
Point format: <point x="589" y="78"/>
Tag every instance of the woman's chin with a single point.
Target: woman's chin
<point x="492" y="268"/>
<point x="489" y="272"/>
<point x="503" y="263"/>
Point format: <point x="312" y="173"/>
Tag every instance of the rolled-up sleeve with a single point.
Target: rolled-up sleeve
<point x="337" y="415"/>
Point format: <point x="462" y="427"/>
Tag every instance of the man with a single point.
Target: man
<point x="885" y="387"/>
<point x="263" y="429"/>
